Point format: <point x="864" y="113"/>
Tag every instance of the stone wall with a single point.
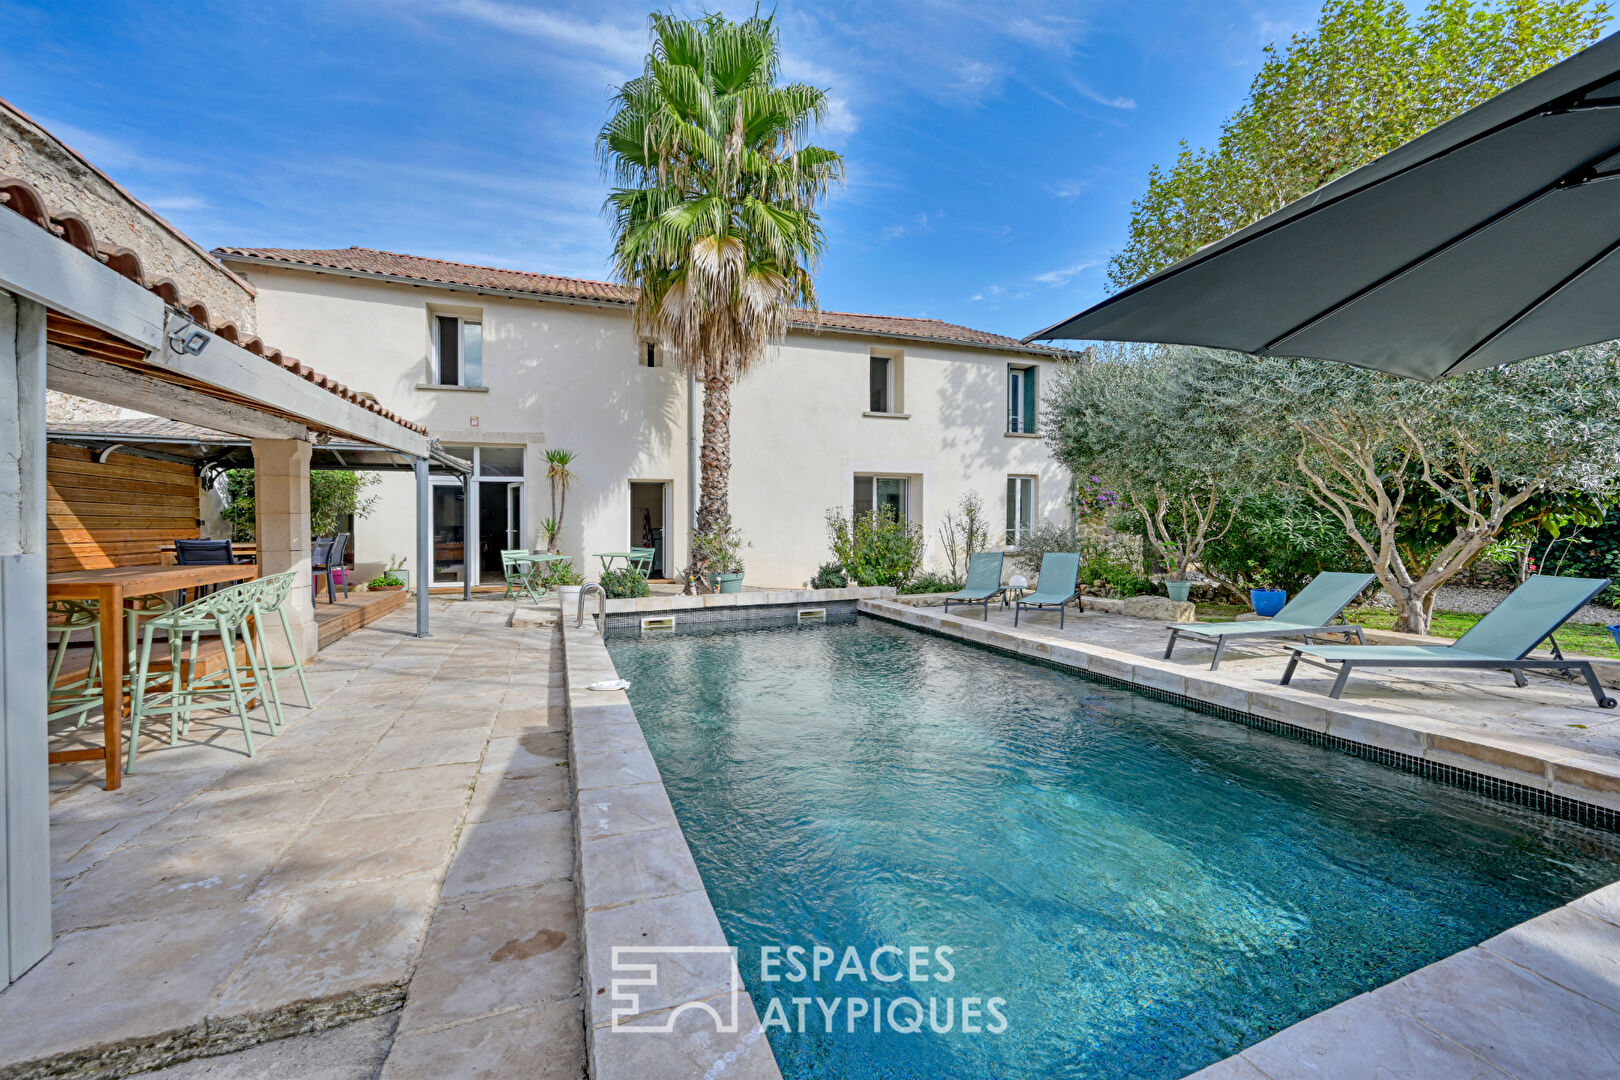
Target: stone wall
<point x="67" y="182"/>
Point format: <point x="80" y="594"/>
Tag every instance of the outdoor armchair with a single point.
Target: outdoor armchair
<point x="1318" y="609"/>
<point x="1502" y="639"/>
<point x="1055" y="586"/>
<point x="983" y="582"/>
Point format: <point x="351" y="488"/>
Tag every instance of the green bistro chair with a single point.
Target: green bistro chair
<point x="1055" y="587"/>
<point x="272" y="599"/>
<point x="983" y="582"/>
<point x="642" y="559"/>
<point x="1502" y="640"/>
<point x="180" y="687"/>
<point x="517" y="572"/>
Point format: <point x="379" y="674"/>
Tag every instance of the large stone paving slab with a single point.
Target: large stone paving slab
<point x="219" y="901"/>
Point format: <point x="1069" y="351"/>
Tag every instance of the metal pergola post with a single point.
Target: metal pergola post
<point x="424" y="543"/>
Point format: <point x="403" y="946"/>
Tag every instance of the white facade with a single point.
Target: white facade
<point x="571" y="374"/>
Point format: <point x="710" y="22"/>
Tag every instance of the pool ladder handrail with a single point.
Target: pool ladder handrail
<point x="601" y="606"/>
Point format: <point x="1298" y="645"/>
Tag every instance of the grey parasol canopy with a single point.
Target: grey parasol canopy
<point x="1493" y="238"/>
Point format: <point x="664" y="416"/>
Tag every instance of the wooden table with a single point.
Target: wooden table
<point x="109" y="588"/>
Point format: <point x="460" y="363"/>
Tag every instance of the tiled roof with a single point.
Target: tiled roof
<point x="152" y="427"/>
<point x="391" y="264"/>
<point x="24" y="199"/>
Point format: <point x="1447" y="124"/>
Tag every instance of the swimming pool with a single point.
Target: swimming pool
<point x="1146" y="888"/>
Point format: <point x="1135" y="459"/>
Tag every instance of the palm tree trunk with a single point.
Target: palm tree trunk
<point x="715" y="456"/>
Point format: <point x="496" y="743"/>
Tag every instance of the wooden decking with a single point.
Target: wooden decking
<point x="354" y="611"/>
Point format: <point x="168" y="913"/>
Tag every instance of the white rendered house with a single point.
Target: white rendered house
<point x="504" y="365"/>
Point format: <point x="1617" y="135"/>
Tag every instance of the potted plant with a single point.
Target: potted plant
<point x="395" y="578"/>
<point x="567" y="581"/>
<point x="720" y="550"/>
<point x="396" y="569"/>
<point x="1178" y="587"/>
<point x="1267" y="600"/>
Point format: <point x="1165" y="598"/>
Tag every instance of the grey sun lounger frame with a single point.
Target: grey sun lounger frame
<point x="1501" y="640"/>
<point x="983" y="582"/>
<point x="1056" y="567"/>
<point x="1317" y="610"/>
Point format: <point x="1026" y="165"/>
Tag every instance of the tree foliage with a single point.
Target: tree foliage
<point x="1369" y="77"/>
<point x="1133" y="419"/>
<point x="334" y="495"/>
<point x="876" y="547"/>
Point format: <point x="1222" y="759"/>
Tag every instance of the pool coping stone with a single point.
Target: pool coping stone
<point x="635" y="877"/>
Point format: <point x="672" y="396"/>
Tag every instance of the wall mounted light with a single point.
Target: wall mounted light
<point x="188" y="339"/>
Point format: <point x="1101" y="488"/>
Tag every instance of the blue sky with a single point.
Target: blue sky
<point x="992" y="149"/>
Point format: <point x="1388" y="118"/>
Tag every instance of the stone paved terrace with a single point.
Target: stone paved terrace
<point x="390" y="879"/>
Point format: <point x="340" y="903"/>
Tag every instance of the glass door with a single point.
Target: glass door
<point x="465" y="543"/>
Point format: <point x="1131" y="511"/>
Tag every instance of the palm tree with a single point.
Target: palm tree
<point x="714" y="208"/>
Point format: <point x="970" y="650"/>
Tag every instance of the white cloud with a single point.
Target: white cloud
<point x="616" y="40"/>
<point x="1063" y="274"/>
<point x="1120" y="102"/>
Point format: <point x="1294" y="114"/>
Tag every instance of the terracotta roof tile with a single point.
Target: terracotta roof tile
<point x="466" y="275"/>
<point x="21" y="198"/>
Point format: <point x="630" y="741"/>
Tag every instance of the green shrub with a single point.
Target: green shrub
<point x="830" y="576"/>
<point x="720" y="549"/>
<point x="1117" y="576"/>
<point x="624" y="583"/>
<point x="876" y="548"/>
<point x="561" y="572"/>
<point x="1043" y="538"/>
<point x="1280" y="542"/>
<point x="931" y="582"/>
<point x="384" y="581"/>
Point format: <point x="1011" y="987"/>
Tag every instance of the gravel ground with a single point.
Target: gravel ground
<point x="1479" y="601"/>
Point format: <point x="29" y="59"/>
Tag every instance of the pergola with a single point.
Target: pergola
<point x="80" y="315"/>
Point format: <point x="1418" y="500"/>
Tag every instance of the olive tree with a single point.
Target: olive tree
<point x="1471" y="455"/>
<point x="1134" y="419"/>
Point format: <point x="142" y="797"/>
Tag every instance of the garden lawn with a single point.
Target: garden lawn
<point x="1591" y="640"/>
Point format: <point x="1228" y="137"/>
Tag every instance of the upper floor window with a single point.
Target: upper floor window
<point x="651" y="355"/>
<point x="1022" y="399"/>
<point x="881" y="382"/>
<point x="885" y="384"/>
<point x="458" y="351"/>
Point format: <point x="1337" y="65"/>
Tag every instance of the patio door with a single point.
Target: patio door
<point x="467" y="539"/>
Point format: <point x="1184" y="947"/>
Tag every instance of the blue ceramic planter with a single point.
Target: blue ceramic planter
<point x="1268" y="602"/>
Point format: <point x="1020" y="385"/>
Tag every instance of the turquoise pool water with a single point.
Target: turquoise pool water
<point x="1149" y="889"/>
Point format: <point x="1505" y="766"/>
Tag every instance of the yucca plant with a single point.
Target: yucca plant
<point x="714" y="208"/>
<point x="557" y="462"/>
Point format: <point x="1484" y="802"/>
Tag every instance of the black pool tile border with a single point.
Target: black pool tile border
<point x="1585" y="814"/>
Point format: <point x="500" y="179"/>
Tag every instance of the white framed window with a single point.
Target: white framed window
<point x="1020" y="507"/>
<point x="893" y="492"/>
<point x="1022" y="398"/>
<point x="885" y="384"/>
<point x="458" y="351"/>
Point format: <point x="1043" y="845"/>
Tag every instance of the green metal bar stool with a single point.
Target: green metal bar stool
<point x="270" y="597"/>
<point x="224" y="613"/>
<point x="80" y="695"/>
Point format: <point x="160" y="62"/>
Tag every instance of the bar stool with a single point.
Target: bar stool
<point x="224" y="613"/>
<point x="80" y="695"/>
<point x="270" y="596"/>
